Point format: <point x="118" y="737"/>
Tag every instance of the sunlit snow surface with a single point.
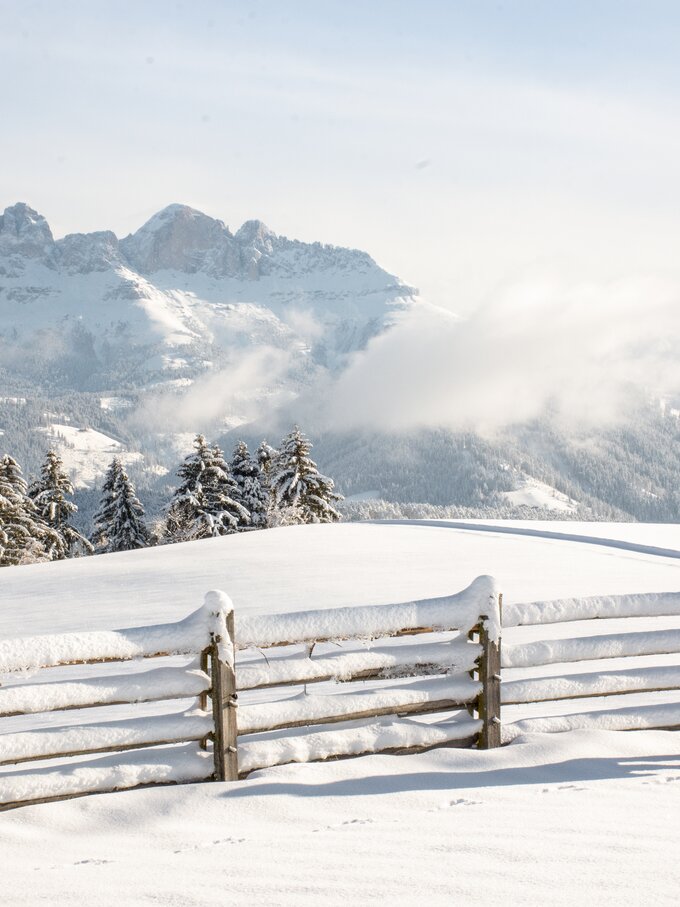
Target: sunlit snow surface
<point x="584" y="817"/>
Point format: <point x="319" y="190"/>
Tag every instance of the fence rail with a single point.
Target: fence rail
<point x="429" y="671"/>
<point x="602" y="647"/>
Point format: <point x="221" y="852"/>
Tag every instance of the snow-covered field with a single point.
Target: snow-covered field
<point x="588" y="817"/>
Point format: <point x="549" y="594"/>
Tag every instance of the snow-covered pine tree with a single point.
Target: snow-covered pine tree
<point x="119" y="521"/>
<point x="296" y="482"/>
<point x="50" y="494"/>
<point x="25" y="538"/>
<point x="128" y="531"/>
<point x="103" y="518"/>
<point x="265" y="456"/>
<point x="205" y="504"/>
<point x="228" y="513"/>
<point x="251" y="491"/>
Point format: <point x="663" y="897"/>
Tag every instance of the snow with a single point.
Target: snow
<point x="86" y="453"/>
<point x="312" y="707"/>
<point x="626" y="719"/>
<point x="163" y="765"/>
<point x="603" y="682"/>
<point x="105" y="735"/>
<point x="589" y="648"/>
<point x="309" y="567"/>
<point x="587" y="817"/>
<point x="582" y="816"/>
<point x="355" y="738"/>
<point x="533" y="493"/>
<point x="460" y="611"/>
<point x="599" y="606"/>
<point x="454" y="656"/>
<point x="186" y="637"/>
<point x="159" y="683"/>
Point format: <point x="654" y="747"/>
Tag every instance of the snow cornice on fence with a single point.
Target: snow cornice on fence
<point x="185" y="637"/>
<point x="645" y="604"/>
<point x="461" y="611"/>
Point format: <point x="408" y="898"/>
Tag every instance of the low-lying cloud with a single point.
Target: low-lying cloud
<point x="579" y="351"/>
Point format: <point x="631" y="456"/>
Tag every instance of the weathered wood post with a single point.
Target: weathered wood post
<point x="203" y="698"/>
<point x="489" y="670"/>
<point x="224" y="704"/>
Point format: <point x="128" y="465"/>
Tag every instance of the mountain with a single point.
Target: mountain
<point x="130" y="346"/>
<point x="181" y="296"/>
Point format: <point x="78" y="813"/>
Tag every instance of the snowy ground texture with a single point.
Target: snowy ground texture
<point x="586" y="816"/>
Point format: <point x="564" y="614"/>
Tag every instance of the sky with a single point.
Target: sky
<point x="467" y="146"/>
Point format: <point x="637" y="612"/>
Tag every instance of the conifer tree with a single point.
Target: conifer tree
<point x="251" y="491"/>
<point x="266" y="455"/>
<point x="50" y="495"/>
<point x="296" y="482"/>
<point x="119" y="521"/>
<point x="24" y="536"/>
<point x="103" y="518"/>
<point x="205" y="504"/>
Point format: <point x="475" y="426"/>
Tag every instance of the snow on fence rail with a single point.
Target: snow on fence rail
<point x="599" y="647"/>
<point x="426" y="672"/>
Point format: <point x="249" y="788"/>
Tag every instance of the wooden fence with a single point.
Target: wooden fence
<point x="424" y="658"/>
<point x="599" y="648"/>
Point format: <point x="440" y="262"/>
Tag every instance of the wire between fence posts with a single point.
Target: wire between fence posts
<point x="224" y="704"/>
<point x="489" y="670"/>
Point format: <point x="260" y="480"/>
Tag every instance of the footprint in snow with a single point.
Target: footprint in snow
<point x="461" y="801"/>
<point x="342" y="824"/>
<point x="208" y="844"/>
<point x="92" y="862"/>
<point x="549" y="790"/>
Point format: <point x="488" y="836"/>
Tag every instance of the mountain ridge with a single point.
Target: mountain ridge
<point x="184" y="287"/>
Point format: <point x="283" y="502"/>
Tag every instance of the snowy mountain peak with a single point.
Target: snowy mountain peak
<point x="178" y="238"/>
<point x="24" y="232"/>
<point x="254" y="232"/>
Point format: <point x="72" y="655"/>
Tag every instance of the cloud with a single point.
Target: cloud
<point x="583" y="352"/>
<point x="240" y="392"/>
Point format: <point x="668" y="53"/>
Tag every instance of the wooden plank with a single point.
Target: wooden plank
<point x="460" y="743"/>
<point x="169" y="693"/>
<point x="15" y="804"/>
<point x="405" y="671"/>
<point x="113" y="748"/>
<point x="490" y="698"/>
<point x="623" y="682"/>
<point x="224" y="703"/>
<point x="347" y="666"/>
<point x="405" y="631"/>
<point x="121" y="659"/>
<point x="413" y="708"/>
<point x="592" y="648"/>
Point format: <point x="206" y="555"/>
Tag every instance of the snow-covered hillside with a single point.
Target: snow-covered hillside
<point x="546" y="819"/>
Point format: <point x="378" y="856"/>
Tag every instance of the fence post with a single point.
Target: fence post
<point x="224" y="705"/>
<point x="489" y="702"/>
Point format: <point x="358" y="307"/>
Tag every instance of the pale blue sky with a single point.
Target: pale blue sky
<point x="464" y="145"/>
